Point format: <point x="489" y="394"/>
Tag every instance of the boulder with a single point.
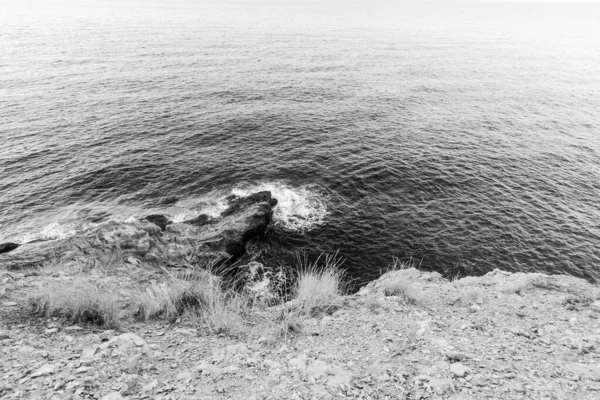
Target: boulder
<point x="200" y="220"/>
<point x="159" y="220"/>
<point x="6" y="247"/>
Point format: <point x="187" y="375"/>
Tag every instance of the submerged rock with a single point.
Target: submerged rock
<point x="6" y="247"/>
<point x="155" y="240"/>
<point x="159" y="220"/>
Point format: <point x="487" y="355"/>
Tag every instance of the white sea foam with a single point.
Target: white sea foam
<point x="212" y="205"/>
<point x="51" y="231"/>
<point x="298" y="208"/>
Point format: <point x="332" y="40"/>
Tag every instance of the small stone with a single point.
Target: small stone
<point x="82" y="370"/>
<point x="441" y="386"/>
<point x="73" y="328"/>
<point x="521" y="314"/>
<point x="50" y="331"/>
<point x="44" y="370"/>
<point x="296" y="363"/>
<point x="89" y="353"/>
<point x="459" y="369"/>
<point x="232" y="369"/>
<point x="132" y="363"/>
<point x="456" y="355"/>
<point x="9" y="303"/>
<point x="4" y="335"/>
<point x="112" y="396"/>
<point x="595" y="306"/>
<point x="251" y="361"/>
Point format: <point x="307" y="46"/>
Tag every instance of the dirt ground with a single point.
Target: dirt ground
<point x="500" y="336"/>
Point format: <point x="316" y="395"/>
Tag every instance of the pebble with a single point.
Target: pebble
<point x="456" y="355"/>
<point x="112" y="396"/>
<point x="44" y="370"/>
<point x="459" y="369"/>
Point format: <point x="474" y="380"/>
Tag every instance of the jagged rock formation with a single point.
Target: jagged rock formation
<point x="6" y="247"/>
<point x="155" y="240"/>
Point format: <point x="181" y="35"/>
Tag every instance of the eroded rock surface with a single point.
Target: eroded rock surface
<point x="155" y="240"/>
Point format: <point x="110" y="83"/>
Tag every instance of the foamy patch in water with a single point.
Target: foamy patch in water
<point x="51" y="231"/>
<point x="212" y="206"/>
<point x="298" y="208"/>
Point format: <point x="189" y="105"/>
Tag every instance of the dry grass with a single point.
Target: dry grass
<point x="318" y="283"/>
<point x="408" y="291"/>
<point x="79" y="301"/>
<point x="317" y="288"/>
<point x="195" y="294"/>
<point x="171" y="299"/>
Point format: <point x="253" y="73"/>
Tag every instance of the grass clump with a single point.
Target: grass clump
<point x="319" y="283"/>
<point x="199" y="296"/>
<point x="317" y="288"/>
<point x="226" y="313"/>
<point x="404" y="289"/>
<point x="79" y="301"/>
<point x="172" y="298"/>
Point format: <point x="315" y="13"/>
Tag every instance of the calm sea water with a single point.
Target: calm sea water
<point x="465" y="136"/>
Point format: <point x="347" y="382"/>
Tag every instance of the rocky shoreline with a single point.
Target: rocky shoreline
<point x="410" y="334"/>
<point x="155" y="240"/>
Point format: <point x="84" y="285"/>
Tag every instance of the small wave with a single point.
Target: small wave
<point x="298" y="209"/>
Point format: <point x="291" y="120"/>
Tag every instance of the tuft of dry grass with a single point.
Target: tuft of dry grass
<point x="318" y="283"/>
<point x="404" y="289"/>
<point x="79" y="300"/>
<point x="317" y="288"/>
<point x="226" y="313"/>
<point x="170" y="299"/>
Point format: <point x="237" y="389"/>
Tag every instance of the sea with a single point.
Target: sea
<point x="455" y="136"/>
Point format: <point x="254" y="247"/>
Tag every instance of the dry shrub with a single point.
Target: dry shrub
<point x="80" y="301"/>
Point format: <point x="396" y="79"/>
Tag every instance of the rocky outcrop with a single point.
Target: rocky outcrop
<point x="6" y="247"/>
<point x="160" y="220"/>
<point x="156" y="240"/>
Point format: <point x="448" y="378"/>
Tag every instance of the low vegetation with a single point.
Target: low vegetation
<point x="79" y="301"/>
<point x="196" y="295"/>
<point x="407" y="290"/>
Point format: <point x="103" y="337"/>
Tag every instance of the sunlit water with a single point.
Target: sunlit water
<point x="464" y="137"/>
